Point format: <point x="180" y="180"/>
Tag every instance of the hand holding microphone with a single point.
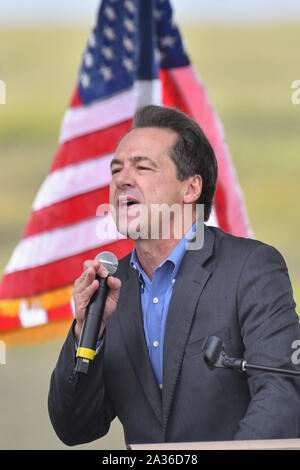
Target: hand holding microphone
<point x="96" y="294"/>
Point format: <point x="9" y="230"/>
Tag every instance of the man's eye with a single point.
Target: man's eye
<point x="115" y="170"/>
<point x="143" y="168"/>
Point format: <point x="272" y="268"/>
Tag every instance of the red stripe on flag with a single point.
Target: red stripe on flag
<point x="67" y="212"/>
<point x="88" y="146"/>
<point x="60" y="273"/>
<point x="220" y="207"/>
<point x="171" y="96"/>
<point x="64" y="311"/>
<point x="228" y="202"/>
<point x="75" y="99"/>
<point x="8" y="323"/>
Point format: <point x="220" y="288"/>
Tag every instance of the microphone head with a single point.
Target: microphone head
<point x="109" y="261"/>
<point x="213" y="349"/>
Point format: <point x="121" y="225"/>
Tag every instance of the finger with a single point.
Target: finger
<point x="87" y="277"/>
<point x="114" y="285"/>
<point x="102" y="271"/>
<point x="99" y="268"/>
<point x="82" y="300"/>
<point x="88" y="263"/>
<point x="91" y="289"/>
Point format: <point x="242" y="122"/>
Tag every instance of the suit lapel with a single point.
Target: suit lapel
<point x="130" y="317"/>
<point x="188" y="287"/>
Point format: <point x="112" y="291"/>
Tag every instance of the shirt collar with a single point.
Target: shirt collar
<point x="175" y="257"/>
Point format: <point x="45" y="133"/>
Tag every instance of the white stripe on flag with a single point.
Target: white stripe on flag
<point x="147" y="92"/>
<point x="74" y="180"/>
<point x="83" y="119"/>
<point x="212" y="221"/>
<point x="61" y="243"/>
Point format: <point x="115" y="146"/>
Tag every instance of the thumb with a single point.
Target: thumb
<point x="114" y="285"/>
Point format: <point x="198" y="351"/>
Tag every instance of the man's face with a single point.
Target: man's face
<point x="143" y="175"/>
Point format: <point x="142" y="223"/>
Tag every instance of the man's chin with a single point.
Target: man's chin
<point x="132" y="222"/>
<point x="132" y="230"/>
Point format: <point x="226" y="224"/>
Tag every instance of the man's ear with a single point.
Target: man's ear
<point x="193" y="189"/>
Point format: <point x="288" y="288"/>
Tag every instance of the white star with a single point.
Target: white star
<point x="110" y="13"/>
<point x="109" y="33"/>
<point x="129" y="4"/>
<point x="85" y="80"/>
<point x="129" y="25"/>
<point x="88" y="59"/>
<point x="167" y="41"/>
<point x="106" y="72"/>
<point x="159" y="56"/>
<point x="157" y="14"/>
<point x="92" y="39"/>
<point x="128" y="44"/>
<point x="107" y="52"/>
<point x="128" y="64"/>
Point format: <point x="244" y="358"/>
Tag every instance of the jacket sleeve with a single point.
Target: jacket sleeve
<point x="78" y="407"/>
<point x="269" y="326"/>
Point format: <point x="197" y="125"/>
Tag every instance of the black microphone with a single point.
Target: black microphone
<point x="215" y="356"/>
<point x="94" y="314"/>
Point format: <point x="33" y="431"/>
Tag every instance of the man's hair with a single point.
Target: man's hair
<point x="192" y="152"/>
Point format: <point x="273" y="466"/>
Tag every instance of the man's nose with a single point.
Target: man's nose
<point x="124" y="177"/>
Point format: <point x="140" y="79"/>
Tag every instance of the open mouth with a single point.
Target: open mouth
<point x="127" y="202"/>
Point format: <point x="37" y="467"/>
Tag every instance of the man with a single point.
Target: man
<point x="165" y="299"/>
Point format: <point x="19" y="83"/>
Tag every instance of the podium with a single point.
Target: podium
<point x="268" y="444"/>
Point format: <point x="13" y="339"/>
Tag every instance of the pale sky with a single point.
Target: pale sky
<point x="32" y="12"/>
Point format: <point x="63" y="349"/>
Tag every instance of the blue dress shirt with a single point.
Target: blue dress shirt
<point x="155" y="300"/>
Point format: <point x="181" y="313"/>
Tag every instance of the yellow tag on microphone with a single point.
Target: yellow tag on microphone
<point x="85" y="353"/>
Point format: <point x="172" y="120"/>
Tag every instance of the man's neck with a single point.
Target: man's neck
<point x="151" y="253"/>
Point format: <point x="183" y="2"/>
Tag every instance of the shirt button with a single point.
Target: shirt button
<point x="173" y="281"/>
<point x="155" y="344"/>
<point x="155" y="300"/>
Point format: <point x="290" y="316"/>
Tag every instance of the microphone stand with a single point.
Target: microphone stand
<point x="215" y="356"/>
<point x="243" y="366"/>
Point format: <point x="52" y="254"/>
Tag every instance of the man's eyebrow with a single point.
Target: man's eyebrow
<point x="135" y="159"/>
<point x="115" y="161"/>
<point x="141" y="159"/>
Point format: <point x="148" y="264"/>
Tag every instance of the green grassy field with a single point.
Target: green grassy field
<point x="248" y="74"/>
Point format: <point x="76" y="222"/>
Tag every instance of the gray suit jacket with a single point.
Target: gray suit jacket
<point x="237" y="289"/>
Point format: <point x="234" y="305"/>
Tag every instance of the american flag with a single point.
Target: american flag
<point x="134" y="56"/>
